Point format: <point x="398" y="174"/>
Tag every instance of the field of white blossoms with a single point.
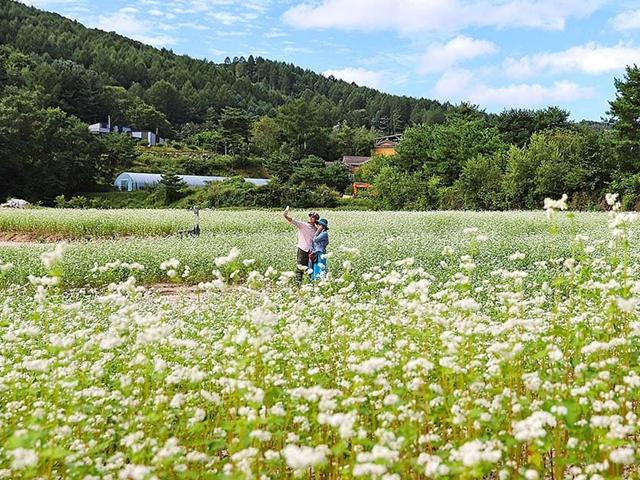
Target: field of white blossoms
<point x="441" y="345"/>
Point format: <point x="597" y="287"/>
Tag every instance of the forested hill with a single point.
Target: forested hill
<point x="80" y="63"/>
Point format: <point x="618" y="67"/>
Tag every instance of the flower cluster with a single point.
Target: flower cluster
<point x="526" y="369"/>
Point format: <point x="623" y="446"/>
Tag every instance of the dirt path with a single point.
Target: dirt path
<point x="16" y="244"/>
<point x="10" y="239"/>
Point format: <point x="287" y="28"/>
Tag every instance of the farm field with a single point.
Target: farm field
<point x="148" y="237"/>
<point x="443" y="345"/>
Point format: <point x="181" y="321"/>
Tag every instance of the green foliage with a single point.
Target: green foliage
<point x="558" y="162"/>
<point x="280" y="164"/>
<point x="128" y="109"/>
<point x="353" y="141"/>
<point x="117" y="153"/>
<point x="265" y="136"/>
<point x="165" y="98"/>
<point x="625" y="112"/>
<point x="480" y="182"/>
<point x="517" y="125"/>
<point x="397" y="190"/>
<point x="171" y="187"/>
<point x="236" y="192"/>
<point x="301" y="123"/>
<point x="578" y="161"/>
<point x="233" y="192"/>
<point x="443" y="150"/>
<point x="313" y="171"/>
<point x="370" y="170"/>
<point x="208" y="139"/>
<point x="45" y="152"/>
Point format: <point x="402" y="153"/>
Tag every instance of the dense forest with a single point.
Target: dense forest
<point x="252" y="115"/>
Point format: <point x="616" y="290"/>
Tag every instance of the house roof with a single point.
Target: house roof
<point x="353" y="160"/>
<point x="388" y="141"/>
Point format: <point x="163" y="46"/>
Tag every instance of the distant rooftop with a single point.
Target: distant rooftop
<point x="353" y="160"/>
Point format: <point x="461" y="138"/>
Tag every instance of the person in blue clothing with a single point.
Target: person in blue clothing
<point x="317" y="258"/>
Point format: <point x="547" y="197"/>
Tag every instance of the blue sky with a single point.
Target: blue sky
<point x="496" y="53"/>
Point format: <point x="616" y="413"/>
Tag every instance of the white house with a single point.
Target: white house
<point x="151" y="138"/>
<point x="100" y="128"/>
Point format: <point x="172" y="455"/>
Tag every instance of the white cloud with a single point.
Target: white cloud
<point x="193" y="26"/>
<point x="296" y="50"/>
<point x="128" y="24"/>
<point x="440" y="57"/>
<point x="360" y="76"/>
<point x="456" y="85"/>
<point x="226" y="18"/>
<point x="275" y="33"/>
<point x="235" y="33"/>
<point x="590" y="58"/>
<point x="411" y="16"/>
<point x="628" y="20"/>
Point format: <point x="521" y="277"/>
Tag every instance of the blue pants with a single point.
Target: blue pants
<point x="319" y="267"/>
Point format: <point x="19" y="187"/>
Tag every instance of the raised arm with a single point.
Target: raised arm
<point x="287" y="217"/>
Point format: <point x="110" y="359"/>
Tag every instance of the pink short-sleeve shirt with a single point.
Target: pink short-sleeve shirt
<point x="306" y="233"/>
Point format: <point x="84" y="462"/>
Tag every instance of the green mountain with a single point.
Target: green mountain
<point x="91" y="73"/>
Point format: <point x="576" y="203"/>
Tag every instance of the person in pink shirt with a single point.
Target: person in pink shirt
<point x="306" y="232"/>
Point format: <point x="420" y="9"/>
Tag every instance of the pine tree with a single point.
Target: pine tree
<point x="171" y="186"/>
<point x="625" y="112"/>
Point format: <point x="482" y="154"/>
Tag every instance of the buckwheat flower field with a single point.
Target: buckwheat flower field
<point x="441" y="345"/>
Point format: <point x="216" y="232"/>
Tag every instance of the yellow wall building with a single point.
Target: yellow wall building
<point x="386" y="145"/>
<point x="385" y="148"/>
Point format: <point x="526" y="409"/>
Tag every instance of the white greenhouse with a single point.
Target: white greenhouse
<point x="135" y="181"/>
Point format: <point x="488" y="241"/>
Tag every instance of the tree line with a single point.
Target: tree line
<point x="275" y="119"/>
<point x="515" y="159"/>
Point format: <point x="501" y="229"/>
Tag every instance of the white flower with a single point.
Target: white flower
<point x="622" y="455"/>
<point x="5" y="267"/>
<point x="534" y="426"/>
<point x="134" y="472"/>
<point x="260" y="435"/>
<point x="551" y="205"/>
<point x="390" y="399"/>
<point x="468" y="304"/>
<point x="343" y="421"/>
<point x="611" y="198"/>
<point x="476" y="451"/>
<point x="23" y="458"/>
<point x="531" y="475"/>
<point x="38" y="365"/>
<point x="433" y="466"/>
<point x="369" y="469"/>
<point x="233" y="254"/>
<point x="555" y="354"/>
<point x="372" y="365"/>
<point x="516" y="256"/>
<point x="300" y="458"/>
<point x="50" y="259"/>
<point x="626" y="305"/>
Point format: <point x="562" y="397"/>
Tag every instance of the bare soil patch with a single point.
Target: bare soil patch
<point x="25" y="238"/>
